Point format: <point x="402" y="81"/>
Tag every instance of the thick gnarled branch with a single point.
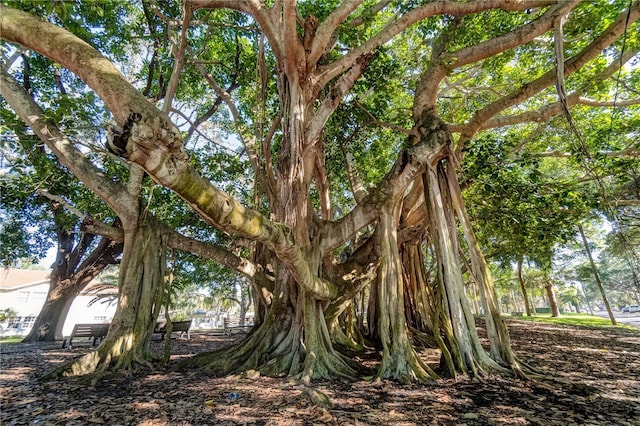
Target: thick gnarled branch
<point x="573" y="64"/>
<point x="156" y="145"/>
<point x="180" y="242"/>
<point x="426" y="93"/>
<point x="395" y="27"/>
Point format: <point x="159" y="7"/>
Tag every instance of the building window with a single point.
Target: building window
<point x="28" y="322"/>
<point x="23" y="296"/>
<point x="100" y="318"/>
<point x="15" y="322"/>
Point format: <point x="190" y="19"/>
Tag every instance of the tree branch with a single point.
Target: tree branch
<point x="156" y="45"/>
<point x="623" y="203"/>
<point x="178" y="241"/>
<point x="377" y="122"/>
<point x="551" y="110"/>
<point x="616" y="103"/>
<point x="376" y="8"/>
<point x="433" y="144"/>
<point x="517" y="37"/>
<point x="426" y="93"/>
<point x="156" y="145"/>
<point x="332" y="99"/>
<point x="61" y="201"/>
<point x="293" y="51"/>
<point x="63" y="148"/>
<point x="632" y="151"/>
<point x="570" y="66"/>
<point x="327" y="27"/>
<point x="179" y="52"/>
<point x="248" y="140"/>
<point x="442" y="7"/>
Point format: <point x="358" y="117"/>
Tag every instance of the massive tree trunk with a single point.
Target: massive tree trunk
<point x="48" y="325"/>
<point x="294" y="338"/>
<point x="62" y="290"/>
<point x="399" y="359"/>
<point x="141" y="285"/>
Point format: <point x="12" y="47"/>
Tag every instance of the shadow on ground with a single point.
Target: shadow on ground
<point x="592" y="377"/>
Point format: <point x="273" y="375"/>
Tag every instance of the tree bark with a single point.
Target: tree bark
<point x="467" y="353"/>
<point x="523" y="289"/>
<point x="399" y="359"/>
<point x="141" y="290"/>
<point x="551" y="297"/>
<point x="418" y="294"/>
<point x="497" y="332"/>
<point x="596" y="275"/>
<point x="294" y="337"/>
<point x="64" y="288"/>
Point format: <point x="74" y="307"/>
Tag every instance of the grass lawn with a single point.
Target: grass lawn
<point x="12" y="339"/>
<point x="586" y="320"/>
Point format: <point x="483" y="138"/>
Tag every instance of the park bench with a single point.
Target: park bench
<point x="517" y="314"/>
<point x="181" y="327"/>
<point x="228" y="327"/>
<point x="95" y="331"/>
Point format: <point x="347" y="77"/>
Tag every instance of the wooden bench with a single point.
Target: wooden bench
<point x="181" y="327"/>
<point x="228" y="327"/>
<point x="95" y="331"/>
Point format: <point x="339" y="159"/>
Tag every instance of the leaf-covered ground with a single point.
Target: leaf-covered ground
<point x="593" y="377"/>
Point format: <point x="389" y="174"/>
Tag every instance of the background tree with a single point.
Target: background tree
<point x="35" y="193"/>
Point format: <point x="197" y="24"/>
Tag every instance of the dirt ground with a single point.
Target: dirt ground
<point x="592" y="378"/>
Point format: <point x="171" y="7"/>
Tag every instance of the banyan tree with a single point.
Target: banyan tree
<point x="350" y="255"/>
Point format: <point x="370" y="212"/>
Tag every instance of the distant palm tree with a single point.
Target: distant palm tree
<point x="103" y="291"/>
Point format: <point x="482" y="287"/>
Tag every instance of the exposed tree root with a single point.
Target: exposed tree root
<point x="127" y="345"/>
<point x="110" y="357"/>
<point x="406" y="367"/>
<point x="285" y="345"/>
<point x="346" y="345"/>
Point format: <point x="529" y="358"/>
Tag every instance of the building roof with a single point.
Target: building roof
<point x="13" y="279"/>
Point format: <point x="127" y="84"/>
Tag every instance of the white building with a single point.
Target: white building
<point x="24" y="291"/>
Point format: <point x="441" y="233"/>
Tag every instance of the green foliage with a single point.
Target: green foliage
<point x="7" y="314"/>
<point x="581" y="320"/>
<point x="523" y="207"/>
